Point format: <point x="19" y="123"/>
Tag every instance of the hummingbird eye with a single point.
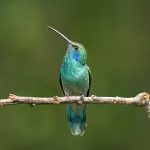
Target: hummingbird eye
<point x="76" y="47"/>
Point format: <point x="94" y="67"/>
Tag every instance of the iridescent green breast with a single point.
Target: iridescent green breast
<point x="75" y="79"/>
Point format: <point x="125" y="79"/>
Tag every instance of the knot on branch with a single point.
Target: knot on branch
<point x="95" y="100"/>
<point x="57" y="100"/>
<point x="147" y="98"/>
<point x="13" y="97"/>
<point x="144" y="98"/>
<point x="148" y="110"/>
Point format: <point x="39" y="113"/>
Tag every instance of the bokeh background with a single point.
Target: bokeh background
<point x="116" y="35"/>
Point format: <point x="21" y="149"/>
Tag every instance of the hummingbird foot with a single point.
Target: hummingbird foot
<point x="81" y="99"/>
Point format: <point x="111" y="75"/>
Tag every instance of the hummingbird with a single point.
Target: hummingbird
<point x="75" y="80"/>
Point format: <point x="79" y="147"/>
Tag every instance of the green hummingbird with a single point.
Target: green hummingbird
<point x="75" y="80"/>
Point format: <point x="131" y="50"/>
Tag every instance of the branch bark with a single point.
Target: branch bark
<point x="142" y="99"/>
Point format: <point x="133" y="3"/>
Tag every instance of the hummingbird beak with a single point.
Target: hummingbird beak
<point x="70" y="42"/>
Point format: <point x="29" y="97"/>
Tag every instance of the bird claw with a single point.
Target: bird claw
<point x="81" y="100"/>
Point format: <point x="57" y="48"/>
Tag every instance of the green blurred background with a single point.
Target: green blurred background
<point x="116" y="35"/>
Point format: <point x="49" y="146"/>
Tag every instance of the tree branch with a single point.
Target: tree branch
<point x="141" y="100"/>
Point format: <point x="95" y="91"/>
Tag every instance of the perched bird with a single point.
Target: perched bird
<point x="75" y="80"/>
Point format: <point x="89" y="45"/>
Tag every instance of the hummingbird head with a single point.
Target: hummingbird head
<point x="75" y="51"/>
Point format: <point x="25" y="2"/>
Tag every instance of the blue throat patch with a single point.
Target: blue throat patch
<point x="76" y="56"/>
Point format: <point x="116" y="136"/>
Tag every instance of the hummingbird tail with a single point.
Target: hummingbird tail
<point x="77" y="118"/>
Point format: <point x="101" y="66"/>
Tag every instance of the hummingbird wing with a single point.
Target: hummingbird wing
<point x="89" y="71"/>
<point x="61" y="84"/>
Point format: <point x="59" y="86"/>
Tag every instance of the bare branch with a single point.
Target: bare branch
<point x="142" y="99"/>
